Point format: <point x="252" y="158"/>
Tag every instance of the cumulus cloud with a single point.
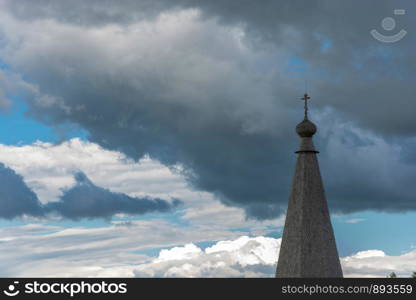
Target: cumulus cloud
<point x="84" y="200"/>
<point x="48" y="169"/>
<point x="16" y="199"/>
<point x="209" y="86"/>
<point x="257" y="257"/>
<point x="115" y="250"/>
<point x="121" y="250"/>
<point x="243" y="257"/>
<point x="184" y="94"/>
<point x="375" y="263"/>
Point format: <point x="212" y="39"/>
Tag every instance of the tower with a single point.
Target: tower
<point x="308" y="247"/>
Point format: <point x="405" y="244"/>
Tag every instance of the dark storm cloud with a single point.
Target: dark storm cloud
<point x="90" y="13"/>
<point x="16" y="199"/>
<point x="86" y="200"/>
<point x="185" y="93"/>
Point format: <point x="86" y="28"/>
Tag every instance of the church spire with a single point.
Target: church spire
<point x="308" y="247"/>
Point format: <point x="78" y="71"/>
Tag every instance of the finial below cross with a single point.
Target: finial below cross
<point x="306" y="98"/>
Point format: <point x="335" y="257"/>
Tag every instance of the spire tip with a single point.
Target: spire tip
<point x="306" y="98"/>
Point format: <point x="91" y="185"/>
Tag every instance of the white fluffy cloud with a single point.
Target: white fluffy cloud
<point x="121" y="250"/>
<point x="41" y="248"/>
<point x="83" y="200"/>
<point x="116" y="249"/>
<point x="243" y="257"/>
<point x="38" y="250"/>
<point x="257" y="257"/>
<point x="48" y="168"/>
<point x="375" y="263"/>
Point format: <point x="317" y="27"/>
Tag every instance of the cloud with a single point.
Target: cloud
<point x="354" y="220"/>
<point x="257" y="257"/>
<point x="86" y="200"/>
<point x="4" y="102"/>
<point x="375" y="263"/>
<point x="243" y="257"/>
<point x="48" y="170"/>
<point x="112" y="251"/>
<point x="183" y="95"/>
<point x="16" y="199"/>
<point x="210" y="87"/>
<point x="122" y="250"/>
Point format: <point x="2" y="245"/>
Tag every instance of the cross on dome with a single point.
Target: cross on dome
<point x="306" y="98"/>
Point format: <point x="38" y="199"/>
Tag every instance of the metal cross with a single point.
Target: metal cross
<point x="306" y="98"/>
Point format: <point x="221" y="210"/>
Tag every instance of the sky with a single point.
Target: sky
<point x="156" y="138"/>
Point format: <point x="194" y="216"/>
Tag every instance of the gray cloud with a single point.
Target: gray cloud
<point x="16" y="198"/>
<point x="214" y="92"/>
<point x="86" y="200"/>
<point x="93" y="13"/>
